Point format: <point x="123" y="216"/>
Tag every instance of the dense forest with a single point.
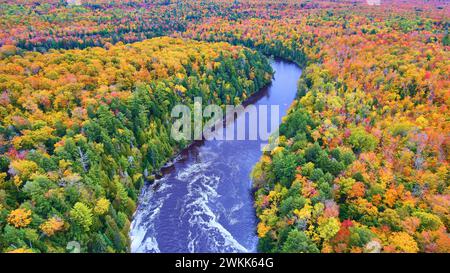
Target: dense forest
<point x="362" y="164"/>
<point x="83" y="129"/>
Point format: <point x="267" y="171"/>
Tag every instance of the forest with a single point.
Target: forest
<point x="86" y="91"/>
<point x="82" y="129"/>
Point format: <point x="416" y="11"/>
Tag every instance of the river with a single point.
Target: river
<point x="203" y="202"/>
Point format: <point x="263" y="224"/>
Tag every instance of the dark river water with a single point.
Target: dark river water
<point x="204" y="202"/>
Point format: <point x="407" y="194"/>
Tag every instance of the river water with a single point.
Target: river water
<point x="203" y="202"/>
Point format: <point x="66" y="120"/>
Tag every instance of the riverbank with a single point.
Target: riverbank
<point x="204" y="201"/>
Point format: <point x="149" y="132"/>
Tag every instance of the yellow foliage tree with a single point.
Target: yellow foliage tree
<point x="52" y="225"/>
<point x="23" y="169"/>
<point x="102" y="206"/>
<point x="262" y="229"/>
<point x="21" y="250"/>
<point x="403" y="242"/>
<point x="19" y="218"/>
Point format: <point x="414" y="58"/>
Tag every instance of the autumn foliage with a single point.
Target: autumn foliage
<point x="362" y="162"/>
<point x="82" y="129"/>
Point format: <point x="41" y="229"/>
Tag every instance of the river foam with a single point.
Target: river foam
<point x="204" y="201"/>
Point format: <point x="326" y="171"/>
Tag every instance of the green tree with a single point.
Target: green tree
<point x="298" y="242"/>
<point x="328" y="228"/>
<point x="428" y="221"/>
<point x="284" y="166"/>
<point x="362" y="141"/>
<point x="82" y="215"/>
